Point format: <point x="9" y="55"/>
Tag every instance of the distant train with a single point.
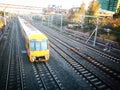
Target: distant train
<point x="37" y="43"/>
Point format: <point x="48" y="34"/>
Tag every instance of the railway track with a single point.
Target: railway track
<point x="92" y="60"/>
<point x="46" y="78"/>
<point x="81" y="70"/>
<point x="113" y="73"/>
<point x="76" y="57"/>
<point x="4" y="40"/>
<point x="3" y="56"/>
<point x="13" y="78"/>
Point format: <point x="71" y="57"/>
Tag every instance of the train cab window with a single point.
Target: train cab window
<point x="38" y="46"/>
<point x="32" y="45"/>
<point x="44" y="44"/>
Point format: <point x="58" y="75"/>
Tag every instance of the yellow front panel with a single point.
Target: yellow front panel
<point x="39" y="53"/>
<point x="38" y="37"/>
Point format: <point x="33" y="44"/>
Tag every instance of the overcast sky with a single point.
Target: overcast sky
<point x="44" y="3"/>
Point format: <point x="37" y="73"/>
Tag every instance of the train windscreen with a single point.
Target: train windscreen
<point x="38" y="45"/>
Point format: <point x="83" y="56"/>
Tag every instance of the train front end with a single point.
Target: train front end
<point x="39" y="48"/>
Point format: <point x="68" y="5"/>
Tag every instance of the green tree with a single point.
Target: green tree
<point x="82" y="9"/>
<point x="70" y="15"/>
<point x="74" y="14"/>
<point x="93" y="10"/>
<point x="1" y="13"/>
<point x="57" y="20"/>
<point x="79" y="12"/>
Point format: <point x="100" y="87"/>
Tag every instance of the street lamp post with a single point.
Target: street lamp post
<point x="4" y="18"/>
<point x="48" y="20"/>
<point x="82" y="21"/>
<point x="96" y="29"/>
<point x="61" y="21"/>
<point x="5" y="15"/>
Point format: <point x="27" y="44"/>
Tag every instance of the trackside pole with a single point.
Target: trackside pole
<point x="61" y="21"/>
<point x="90" y="36"/>
<point x="95" y="31"/>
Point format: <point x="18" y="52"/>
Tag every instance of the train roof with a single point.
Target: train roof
<point x="28" y="28"/>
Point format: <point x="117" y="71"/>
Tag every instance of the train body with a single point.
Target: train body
<point x="37" y="44"/>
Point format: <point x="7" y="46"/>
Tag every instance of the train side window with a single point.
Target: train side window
<point x="32" y="45"/>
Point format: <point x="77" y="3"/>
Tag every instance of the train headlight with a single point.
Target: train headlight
<point x="33" y="58"/>
<point x="46" y="57"/>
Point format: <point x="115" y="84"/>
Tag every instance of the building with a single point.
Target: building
<point x="118" y="5"/>
<point x="105" y="13"/>
<point x="110" y="5"/>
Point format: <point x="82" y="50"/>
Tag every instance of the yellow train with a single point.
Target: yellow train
<point x="37" y="43"/>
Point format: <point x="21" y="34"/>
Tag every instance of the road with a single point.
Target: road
<point x="72" y="66"/>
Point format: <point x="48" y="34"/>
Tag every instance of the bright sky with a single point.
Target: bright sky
<point x="44" y="3"/>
